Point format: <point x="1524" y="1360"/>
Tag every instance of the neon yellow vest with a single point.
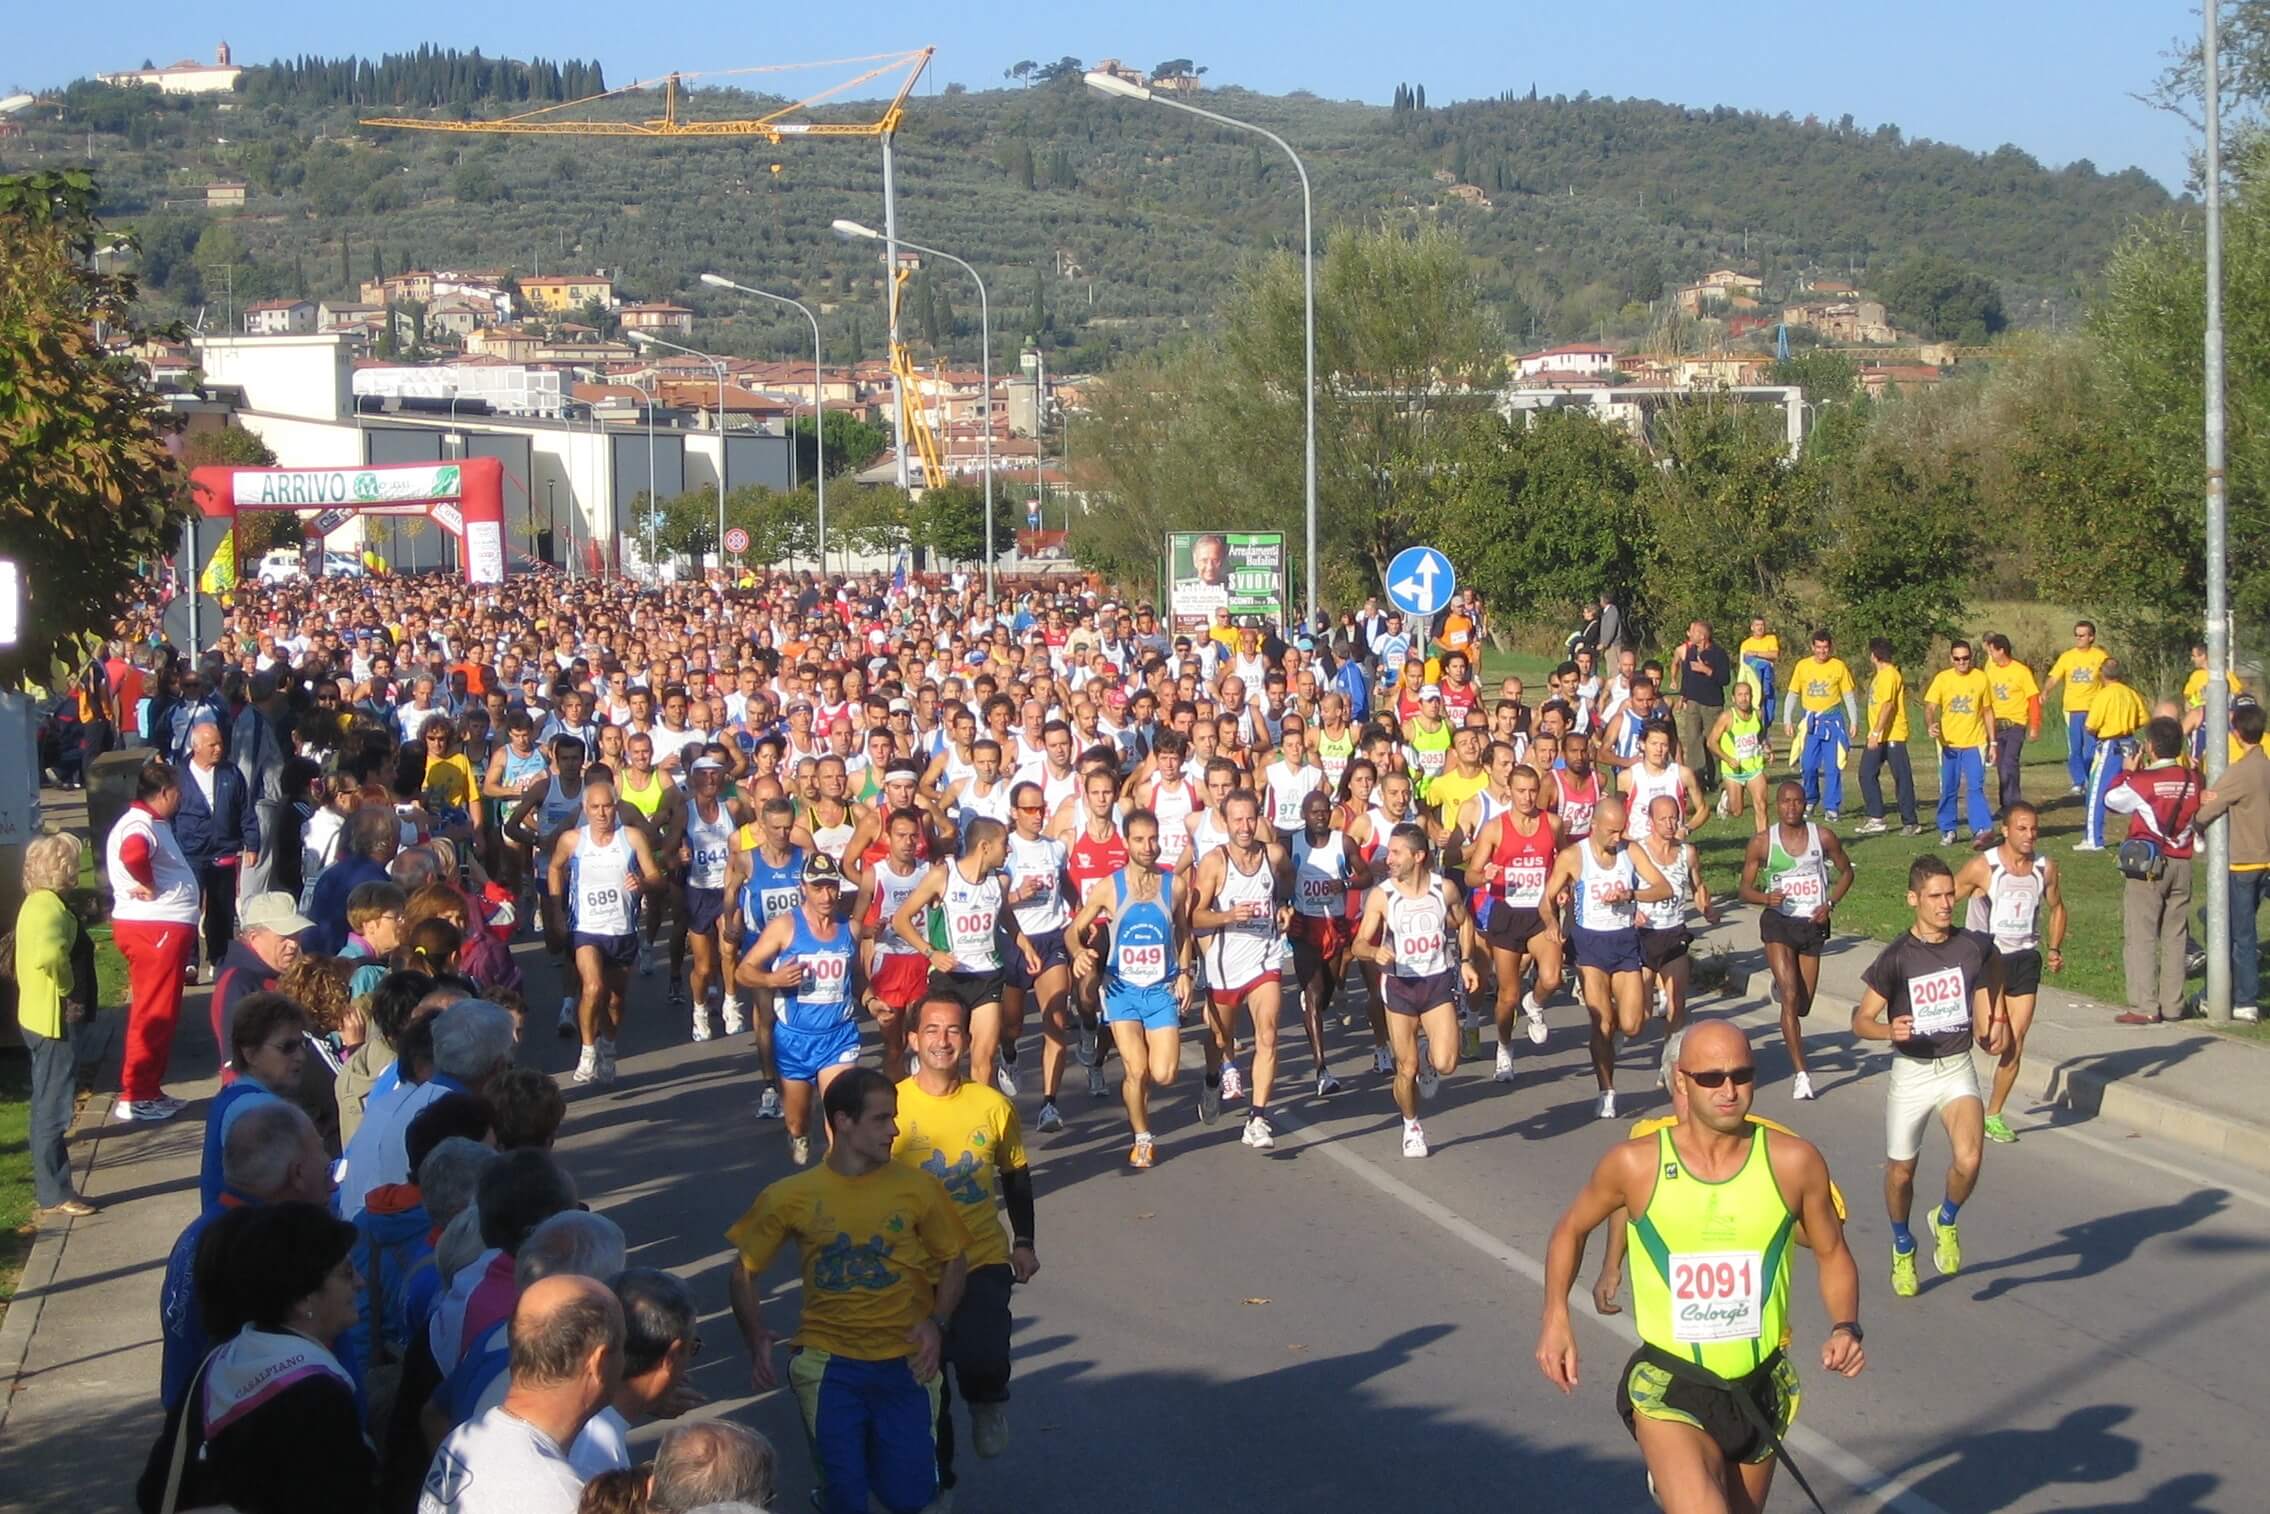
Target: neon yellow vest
<point x="1710" y="1262"/>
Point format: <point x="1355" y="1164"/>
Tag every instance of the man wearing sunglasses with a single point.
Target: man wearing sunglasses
<point x="1713" y="1202"/>
<point x="1929" y="994"/>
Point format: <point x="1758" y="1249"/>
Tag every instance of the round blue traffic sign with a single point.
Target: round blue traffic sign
<point x="1420" y="581"/>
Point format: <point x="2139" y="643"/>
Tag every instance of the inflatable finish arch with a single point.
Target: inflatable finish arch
<point x="465" y="497"/>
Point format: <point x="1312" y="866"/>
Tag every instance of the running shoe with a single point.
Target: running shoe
<point x="1832" y="817"/>
<point x="1911" y="830"/>
<point x="1209" y="1101"/>
<point x="768" y="1104"/>
<point x="1430" y="1081"/>
<point x="2088" y="846"/>
<point x="989" y="1428"/>
<point x="567" y="1016"/>
<point x="606" y="1059"/>
<point x="701" y="1023"/>
<point x="1903" y="1273"/>
<point x="800" y="1149"/>
<point x="1090" y="1053"/>
<point x="144" y="1111"/>
<point x="2075" y="790"/>
<point x="1946" y="1245"/>
<point x="586" y="1065"/>
<point x="677" y="990"/>
<point x="1050" y="1117"/>
<point x="1606" y="1108"/>
<point x="1326" y="1084"/>
<point x="1233" y="1086"/>
<point x="1875" y="827"/>
<point x="1258" y="1135"/>
<point x="1097" y="1087"/>
<point x="645" y="960"/>
<point x="1144" y="1154"/>
<point x="1663" y="1068"/>
<point x="1946" y="838"/>
<point x="1382" y="1061"/>
<point x="2250" y="1014"/>
<point x="1801" y="1086"/>
<point x="1414" y="1139"/>
<point x="1534" y="1013"/>
<point x="734" y="1023"/>
<point x="1004" y="1079"/>
<point x="1504" y="1070"/>
<point x="1998" y="1130"/>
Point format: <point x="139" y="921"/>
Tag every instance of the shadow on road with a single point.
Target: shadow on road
<point x="2097" y="1245"/>
<point x="1997" y="1468"/>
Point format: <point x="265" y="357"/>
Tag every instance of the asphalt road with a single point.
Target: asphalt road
<point x="1333" y="1327"/>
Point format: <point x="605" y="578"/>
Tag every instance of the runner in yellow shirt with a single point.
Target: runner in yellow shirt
<point x="2017" y="717"/>
<point x="2073" y="678"/>
<point x="1960" y="706"/>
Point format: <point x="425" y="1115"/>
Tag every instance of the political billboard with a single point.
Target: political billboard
<point x="1244" y="572"/>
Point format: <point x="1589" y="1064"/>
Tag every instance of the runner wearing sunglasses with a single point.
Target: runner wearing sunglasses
<point x="1713" y="1203"/>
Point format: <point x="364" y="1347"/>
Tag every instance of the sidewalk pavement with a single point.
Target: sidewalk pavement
<point x="79" y="1350"/>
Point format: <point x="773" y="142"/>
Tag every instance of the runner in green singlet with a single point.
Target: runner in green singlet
<point x="1744" y="745"/>
<point x="1714" y="1203"/>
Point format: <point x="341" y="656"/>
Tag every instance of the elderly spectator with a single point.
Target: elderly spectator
<point x="46" y="935"/>
<point x="473" y="1041"/>
<point x="268" y="1046"/>
<point x="575" y="1243"/>
<point x="2243" y="794"/>
<point x="566" y="1362"/>
<point x="270" y="1423"/>
<point x="266" y="944"/>
<point x="2161" y="801"/>
<point x="271" y="1155"/>
<point x="218" y="828"/>
<point x="154" y="922"/>
<point x="712" y="1464"/>
<point x="372" y="837"/>
<point x="261" y="745"/>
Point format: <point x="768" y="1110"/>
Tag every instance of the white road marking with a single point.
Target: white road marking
<point x="1814" y="1448"/>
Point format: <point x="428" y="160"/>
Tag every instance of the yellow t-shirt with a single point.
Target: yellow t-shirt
<point x="1888" y="688"/>
<point x="2195" y="688"/>
<point x="1963" y="700"/>
<point x="452" y="778"/>
<point x="2116" y="711"/>
<point x="1448" y="794"/>
<point x="1821" y="685"/>
<point x="964" y="1140"/>
<point x="870" y="1250"/>
<point x="2077" y="670"/>
<point x="1767" y="646"/>
<point x="2014" y="691"/>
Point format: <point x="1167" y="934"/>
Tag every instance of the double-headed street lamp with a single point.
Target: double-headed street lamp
<point x="853" y="231"/>
<point x="649" y="339"/>
<point x="819" y="409"/>
<point x="1112" y="84"/>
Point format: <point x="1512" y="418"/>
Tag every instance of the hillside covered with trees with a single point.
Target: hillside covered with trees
<point x="1102" y="227"/>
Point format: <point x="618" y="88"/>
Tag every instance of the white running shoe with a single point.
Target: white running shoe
<point x="1258" y="1135"/>
<point x="1801" y="1086"/>
<point x="1606" y="1108"/>
<point x="1504" y="1070"/>
<point x="1429" y="1079"/>
<point x="586" y="1065"/>
<point x="1097" y="1087"/>
<point x="567" y="1016"/>
<point x="144" y="1111"/>
<point x="1326" y="1084"/>
<point x="1875" y="827"/>
<point x="1414" y="1139"/>
<point x="1050" y="1117"/>
<point x="1382" y="1061"/>
<point x="768" y="1104"/>
<point x="800" y="1149"/>
<point x="1233" y="1086"/>
<point x="701" y="1023"/>
<point x="734" y="1021"/>
<point x="1534" y="1013"/>
<point x="1004" y="1079"/>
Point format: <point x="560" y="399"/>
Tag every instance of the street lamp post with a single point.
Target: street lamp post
<point x="819" y="405"/>
<point x="1112" y="84"/>
<point x="853" y="231"/>
<point x="2217" y="998"/>
<point x="648" y="338"/>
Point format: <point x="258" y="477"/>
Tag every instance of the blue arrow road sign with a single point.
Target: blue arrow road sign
<point x="1420" y="581"/>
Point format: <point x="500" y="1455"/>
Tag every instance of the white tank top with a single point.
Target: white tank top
<point x="1288" y="788"/>
<point x="1646" y="786"/>
<point x="973" y="913"/>
<point x="1243" y="951"/>
<point x="1206" y="833"/>
<point x="1043" y="859"/>
<point x="974" y="806"/>
<point x="1671" y="913"/>
<point x="891" y="890"/>
<point x="2010" y="909"/>
<point x="1594" y="913"/>
<point x="604" y="905"/>
<point x="1320" y="875"/>
<point x="1419" y="929"/>
<point x="957" y="767"/>
<point x="1173" y="804"/>
<point x="709" y="842"/>
<point x="832" y="839"/>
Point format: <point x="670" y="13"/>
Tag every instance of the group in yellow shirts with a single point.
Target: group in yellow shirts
<point x="1959" y="705"/>
<point x="1825" y="697"/>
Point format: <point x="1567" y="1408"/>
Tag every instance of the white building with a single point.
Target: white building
<point x="186" y="77"/>
<point x="278" y="317"/>
<point x="1574" y="360"/>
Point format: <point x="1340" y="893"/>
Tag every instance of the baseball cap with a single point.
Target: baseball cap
<point x="1116" y="698"/>
<point x="1431" y="691"/>
<point x="821" y="868"/>
<point x="276" y="911"/>
<point x="708" y="765"/>
<point x="902" y="707"/>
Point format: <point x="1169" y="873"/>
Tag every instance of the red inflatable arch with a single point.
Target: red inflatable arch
<point x="465" y="497"/>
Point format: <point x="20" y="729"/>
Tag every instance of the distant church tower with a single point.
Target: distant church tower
<point x="221" y="56"/>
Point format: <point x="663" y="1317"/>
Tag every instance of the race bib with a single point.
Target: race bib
<point x="1938" y="1003"/>
<point x="709" y="862"/>
<point x="1321" y="896"/>
<point x="1576" y="819"/>
<point x="1142" y="963"/>
<point x="2014" y="912"/>
<point x="825" y="979"/>
<point x="1525" y="883"/>
<point x="1716" y="1296"/>
<point x="779" y="901"/>
<point x="1800" y="892"/>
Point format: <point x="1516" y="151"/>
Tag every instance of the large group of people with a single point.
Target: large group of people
<point x="854" y="824"/>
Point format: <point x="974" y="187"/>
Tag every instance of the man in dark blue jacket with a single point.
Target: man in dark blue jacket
<point x="217" y="828"/>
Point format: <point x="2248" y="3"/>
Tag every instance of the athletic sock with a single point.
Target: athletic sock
<point x="1903" y="1239"/>
<point x="1947" y="1208"/>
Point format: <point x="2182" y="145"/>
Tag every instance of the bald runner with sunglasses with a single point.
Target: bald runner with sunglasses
<point x="1712" y="1204"/>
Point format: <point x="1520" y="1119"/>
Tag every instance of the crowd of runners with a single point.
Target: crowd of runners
<point x="853" y="824"/>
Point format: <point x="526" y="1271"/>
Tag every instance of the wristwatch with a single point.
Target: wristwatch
<point x="1850" y="1327"/>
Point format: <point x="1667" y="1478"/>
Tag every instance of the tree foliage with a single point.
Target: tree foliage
<point x="1943" y="301"/>
<point x="88" y="491"/>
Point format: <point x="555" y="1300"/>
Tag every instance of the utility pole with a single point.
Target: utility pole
<point x="2218" y="995"/>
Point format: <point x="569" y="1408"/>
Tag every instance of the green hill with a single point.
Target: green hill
<point x="1103" y="226"/>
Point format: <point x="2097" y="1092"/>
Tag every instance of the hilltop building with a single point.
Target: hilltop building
<point x="186" y="77"/>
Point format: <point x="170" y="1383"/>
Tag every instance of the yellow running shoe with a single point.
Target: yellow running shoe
<point x="1903" y="1273"/>
<point x="1946" y="1245"/>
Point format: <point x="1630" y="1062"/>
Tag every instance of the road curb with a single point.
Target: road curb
<point x="2075" y="1086"/>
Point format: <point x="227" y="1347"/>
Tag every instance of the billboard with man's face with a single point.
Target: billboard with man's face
<point x="1240" y="571"/>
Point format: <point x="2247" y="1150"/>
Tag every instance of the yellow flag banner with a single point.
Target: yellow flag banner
<point x="220" y="574"/>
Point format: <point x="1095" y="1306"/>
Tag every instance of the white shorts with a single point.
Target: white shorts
<point x="1920" y="1089"/>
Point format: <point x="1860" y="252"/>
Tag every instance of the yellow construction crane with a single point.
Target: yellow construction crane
<point x="774" y="126"/>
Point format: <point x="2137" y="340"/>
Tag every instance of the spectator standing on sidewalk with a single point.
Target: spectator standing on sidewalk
<point x="2161" y="801"/>
<point x="2017" y="718"/>
<point x="2116" y="713"/>
<point x="1704" y="672"/>
<point x="1886" y="742"/>
<point x="218" y="830"/>
<point x="260" y="746"/>
<point x="46" y="931"/>
<point x="154" y="923"/>
<point x="2243" y="794"/>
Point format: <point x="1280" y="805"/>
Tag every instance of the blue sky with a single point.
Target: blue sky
<point x="2052" y="76"/>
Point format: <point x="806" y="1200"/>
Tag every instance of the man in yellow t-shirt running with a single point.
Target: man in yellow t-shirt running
<point x="2073" y="678"/>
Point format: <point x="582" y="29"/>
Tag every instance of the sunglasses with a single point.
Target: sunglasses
<point x="1714" y="1077"/>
